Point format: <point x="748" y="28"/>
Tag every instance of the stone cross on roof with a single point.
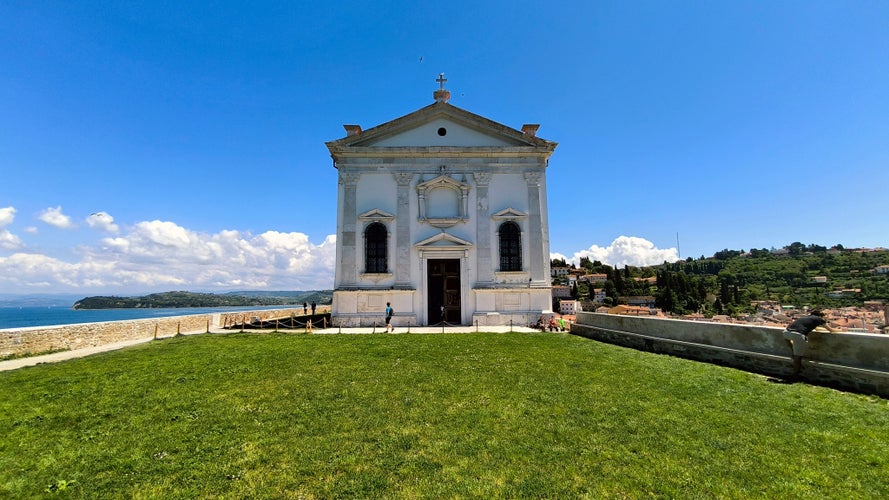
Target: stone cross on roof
<point x="441" y="95"/>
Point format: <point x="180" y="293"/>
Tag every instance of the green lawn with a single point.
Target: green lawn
<point x="434" y="416"/>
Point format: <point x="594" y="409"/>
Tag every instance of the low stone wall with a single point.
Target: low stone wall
<point x="851" y="361"/>
<point x="40" y="339"/>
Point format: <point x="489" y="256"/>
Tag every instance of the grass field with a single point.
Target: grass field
<point x="427" y="416"/>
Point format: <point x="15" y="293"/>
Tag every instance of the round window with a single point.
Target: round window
<point x="442" y="131"/>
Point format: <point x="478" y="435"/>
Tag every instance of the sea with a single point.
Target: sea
<point x="24" y="316"/>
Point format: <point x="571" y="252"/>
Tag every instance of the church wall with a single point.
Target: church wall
<point x="508" y="191"/>
<point x="510" y="295"/>
<point x="376" y="190"/>
<point x="441" y="219"/>
<point x="427" y="135"/>
<point x="362" y="308"/>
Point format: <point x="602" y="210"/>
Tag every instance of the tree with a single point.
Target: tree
<point x="558" y="263"/>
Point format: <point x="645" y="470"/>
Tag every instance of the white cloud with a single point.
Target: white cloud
<point x="8" y="240"/>
<point x="624" y="250"/>
<point x="102" y="221"/>
<point x="55" y="217"/>
<point x="161" y="255"/>
<point x="7" y="215"/>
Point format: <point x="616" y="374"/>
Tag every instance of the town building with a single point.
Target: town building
<point x="569" y="307"/>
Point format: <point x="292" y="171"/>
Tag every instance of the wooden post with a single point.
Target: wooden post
<point x="309" y="326"/>
<point x="208" y="326"/>
<point x="178" y="325"/>
<point x="155" y="331"/>
<point x="243" y="320"/>
<point x="276" y="325"/>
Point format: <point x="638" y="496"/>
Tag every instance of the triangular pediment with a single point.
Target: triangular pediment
<point x="509" y="213"/>
<point x="442" y="181"/>
<point x="376" y="214"/>
<point x="444" y="240"/>
<point x="439" y="125"/>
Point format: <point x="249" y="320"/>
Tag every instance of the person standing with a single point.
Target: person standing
<point x="313" y="307"/>
<point x="389" y="313"/>
<point x="797" y="333"/>
<point x="305" y="308"/>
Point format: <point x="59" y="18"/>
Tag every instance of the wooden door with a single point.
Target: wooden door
<point x="443" y="291"/>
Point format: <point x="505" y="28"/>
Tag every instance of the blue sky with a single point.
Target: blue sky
<point x="150" y="146"/>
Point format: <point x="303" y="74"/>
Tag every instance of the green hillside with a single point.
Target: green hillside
<point x="731" y="280"/>
<point x="193" y="299"/>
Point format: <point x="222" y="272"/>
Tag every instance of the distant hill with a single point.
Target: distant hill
<point x="194" y="299"/>
<point x="732" y="281"/>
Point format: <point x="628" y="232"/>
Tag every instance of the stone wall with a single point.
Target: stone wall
<point x="41" y="339"/>
<point x="851" y="361"/>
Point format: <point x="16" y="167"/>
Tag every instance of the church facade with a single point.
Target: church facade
<point x="443" y="214"/>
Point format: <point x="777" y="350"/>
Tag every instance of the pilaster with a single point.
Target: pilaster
<point x="485" y="266"/>
<point x="402" y="231"/>
<point x="349" y="262"/>
<point x="535" y="227"/>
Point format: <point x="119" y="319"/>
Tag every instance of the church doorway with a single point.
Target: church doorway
<point x="443" y="293"/>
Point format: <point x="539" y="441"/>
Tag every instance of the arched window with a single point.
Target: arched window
<point x="375" y="257"/>
<point x="510" y="247"/>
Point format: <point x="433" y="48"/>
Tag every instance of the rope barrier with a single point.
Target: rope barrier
<point x="277" y="324"/>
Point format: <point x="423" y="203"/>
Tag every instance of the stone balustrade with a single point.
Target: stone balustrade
<point x="42" y="339"/>
<point x="850" y="361"/>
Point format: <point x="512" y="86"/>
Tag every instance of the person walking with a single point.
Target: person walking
<point x="389" y="313"/>
<point x="797" y="333"/>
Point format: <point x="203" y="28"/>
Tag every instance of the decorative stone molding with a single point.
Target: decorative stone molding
<point x="403" y="178"/>
<point x="376" y="277"/>
<point x="461" y="192"/>
<point x="482" y="178"/>
<point x="376" y="215"/>
<point x="509" y="214"/>
<point x="444" y="243"/>
<point x="512" y="277"/>
<point x="533" y="178"/>
<point x="349" y="179"/>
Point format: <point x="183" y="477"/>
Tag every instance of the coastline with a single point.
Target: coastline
<point x="77" y="336"/>
<point x="14" y="317"/>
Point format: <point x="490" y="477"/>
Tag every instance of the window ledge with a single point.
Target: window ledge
<point x="376" y="277"/>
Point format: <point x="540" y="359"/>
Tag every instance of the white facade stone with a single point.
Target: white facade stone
<point x="443" y="182"/>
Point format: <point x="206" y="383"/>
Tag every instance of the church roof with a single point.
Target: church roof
<point x="383" y="137"/>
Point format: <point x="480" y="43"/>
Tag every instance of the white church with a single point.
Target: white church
<point x="443" y="214"/>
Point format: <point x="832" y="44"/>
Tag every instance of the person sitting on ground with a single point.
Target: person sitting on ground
<point x="797" y="333"/>
<point x="552" y="324"/>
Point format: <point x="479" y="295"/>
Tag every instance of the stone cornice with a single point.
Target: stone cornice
<point x="431" y="112"/>
<point x="440" y="152"/>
